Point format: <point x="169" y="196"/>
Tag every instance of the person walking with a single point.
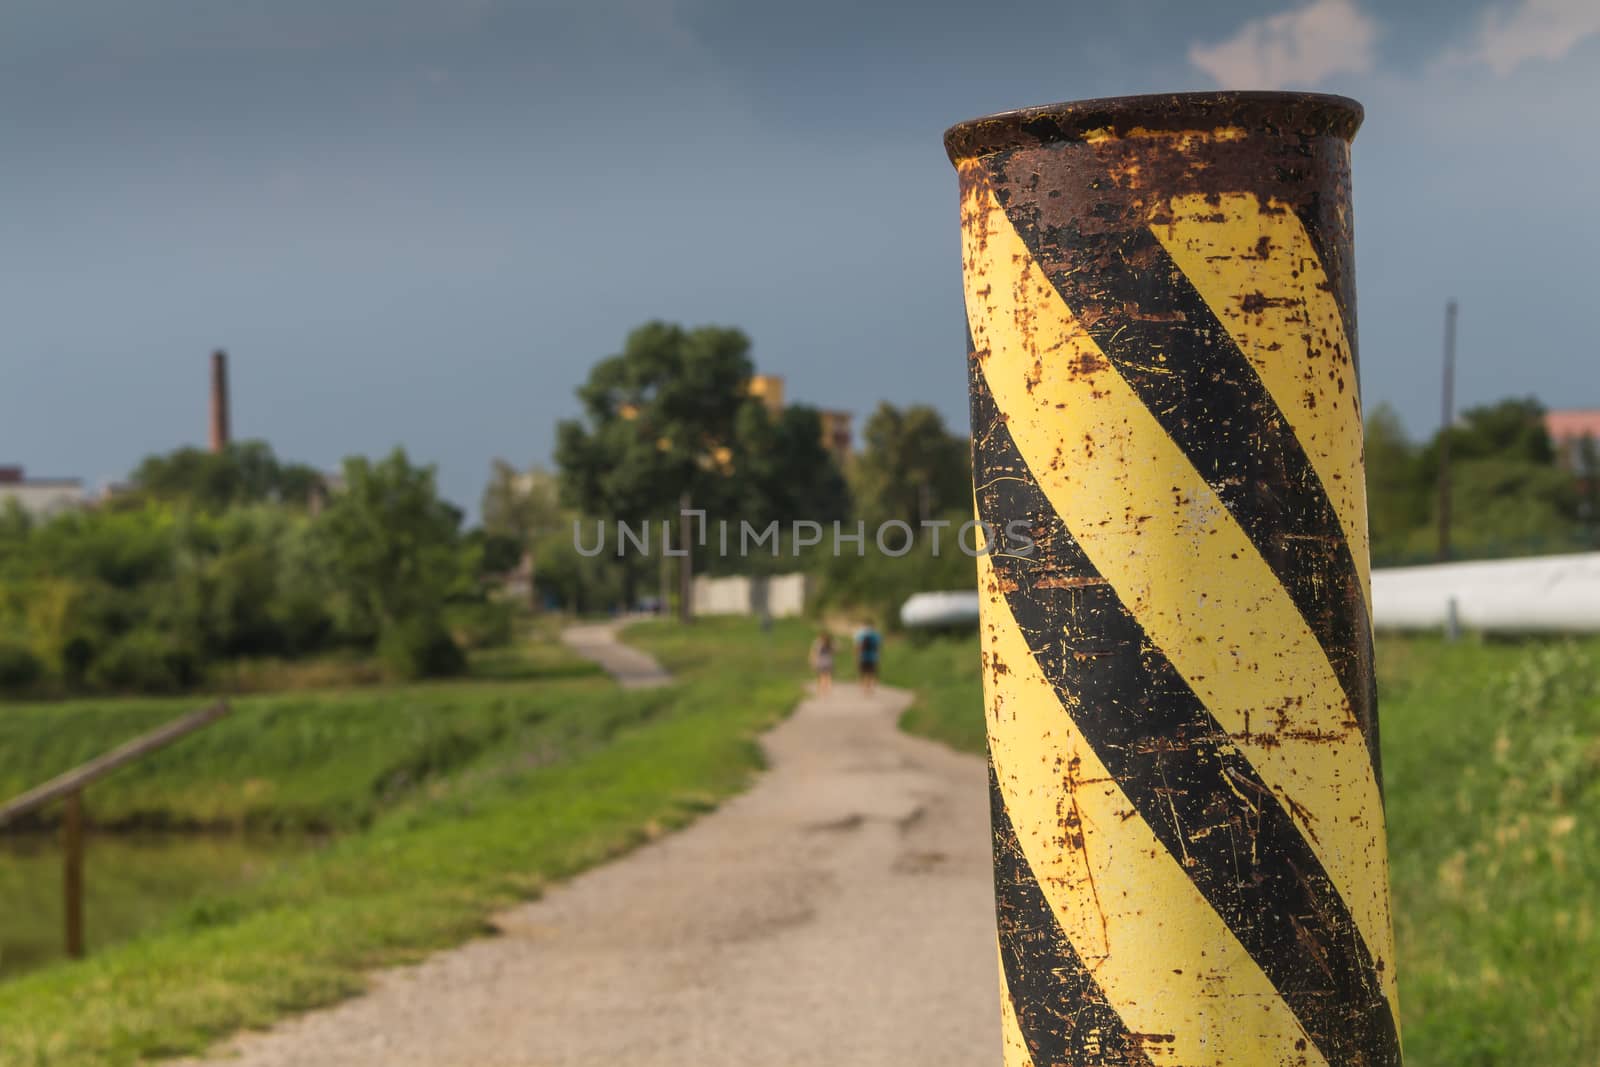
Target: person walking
<point x="868" y="643"/>
<point x="822" y="662"/>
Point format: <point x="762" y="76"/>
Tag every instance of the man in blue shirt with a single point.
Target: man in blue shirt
<point x="868" y="642"/>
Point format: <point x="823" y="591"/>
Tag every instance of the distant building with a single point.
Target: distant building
<point x="836" y="425"/>
<point x="1567" y="429"/>
<point x="330" y="485"/>
<point x="111" y="491"/>
<point x="40" y="497"/>
<point x="836" y="434"/>
<point x="768" y="388"/>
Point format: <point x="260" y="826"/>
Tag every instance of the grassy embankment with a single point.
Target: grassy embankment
<point x="1492" y="774"/>
<point x="452" y="801"/>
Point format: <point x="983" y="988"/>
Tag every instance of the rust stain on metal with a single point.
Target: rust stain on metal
<point x="1067" y="581"/>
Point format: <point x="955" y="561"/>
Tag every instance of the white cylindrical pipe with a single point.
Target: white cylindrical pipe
<point x="1554" y="594"/>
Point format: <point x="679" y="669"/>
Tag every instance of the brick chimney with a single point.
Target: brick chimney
<point x="219" y="401"/>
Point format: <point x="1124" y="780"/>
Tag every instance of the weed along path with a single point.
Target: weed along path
<point x="840" y="913"/>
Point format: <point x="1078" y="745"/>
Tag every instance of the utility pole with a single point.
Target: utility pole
<point x="685" y="562"/>
<point x="666" y="573"/>
<point x="1448" y="418"/>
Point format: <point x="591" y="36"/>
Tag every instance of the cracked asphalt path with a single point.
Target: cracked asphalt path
<point x="839" y="913"/>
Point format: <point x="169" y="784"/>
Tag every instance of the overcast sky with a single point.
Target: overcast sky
<point x="419" y="223"/>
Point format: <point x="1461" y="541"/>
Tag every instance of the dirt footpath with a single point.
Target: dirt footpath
<point x="839" y="913"/>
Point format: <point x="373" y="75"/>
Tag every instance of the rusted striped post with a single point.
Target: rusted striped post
<point x="1190" y="863"/>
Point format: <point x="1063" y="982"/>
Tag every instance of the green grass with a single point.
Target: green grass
<point x="1492" y="779"/>
<point x="1492" y="774"/>
<point x="133" y="883"/>
<point x="943" y="671"/>
<point x="593" y="773"/>
<point x="320" y="760"/>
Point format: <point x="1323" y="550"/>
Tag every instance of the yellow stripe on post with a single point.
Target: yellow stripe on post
<point x="1257" y="269"/>
<point x="1011" y="1040"/>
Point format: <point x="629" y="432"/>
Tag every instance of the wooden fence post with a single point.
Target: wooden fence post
<point x="72" y="880"/>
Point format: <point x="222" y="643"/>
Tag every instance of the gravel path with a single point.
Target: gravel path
<point x="840" y="913"/>
<point x="630" y="667"/>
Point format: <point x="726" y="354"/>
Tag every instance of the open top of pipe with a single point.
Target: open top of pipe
<point x="1308" y="114"/>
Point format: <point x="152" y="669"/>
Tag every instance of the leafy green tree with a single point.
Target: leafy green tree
<point x="15" y="523"/>
<point x="70" y="622"/>
<point x="782" y="470"/>
<point x="671" y="417"/>
<point x="244" y="472"/>
<point x="1510" y="430"/>
<point x="1508" y="494"/>
<point x="394" y="553"/>
<point x="658" y="415"/>
<point x="577" y="582"/>
<point x="1397" y="500"/>
<point x="912" y="468"/>
<point x="231" y="591"/>
<point x="1588" y="464"/>
<point x="1513" y="507"/>
<point x="148" y="595"/>
<point x="300" y="604"/>
<point x="524" y="505"/>
<point x="500" y="554"/>
<point x="522" y="508"/>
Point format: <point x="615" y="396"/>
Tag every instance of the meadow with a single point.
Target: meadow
<point x="449" y="801"/>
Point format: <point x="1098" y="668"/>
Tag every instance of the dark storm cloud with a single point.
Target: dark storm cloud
<point x="421" y="222"/>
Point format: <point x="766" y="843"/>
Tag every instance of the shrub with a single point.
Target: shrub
<point x="419" y="648"/>
<point x="19" y="668"/>
<point x="69" y="621"/>
<point x="145" y="661"/>
<point x="484" y="624"/>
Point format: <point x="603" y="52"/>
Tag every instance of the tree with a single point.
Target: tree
<point x="522" y="507"/>
<point x="1397" y="499"/>
<point x="577" y="582"/>
<point x="671" y="417"/>
<point x="1588" y="466"/>
<point x="657" y="415"/>
<point x="783" y="471"/>
<point x="1509" y="494"/>
<point x="912" y="468"/>
<point x="245" y="472"/>
<point x="395" y="554"/>
<point x="1513" y="507"/>
<point x="1510" y="430"/>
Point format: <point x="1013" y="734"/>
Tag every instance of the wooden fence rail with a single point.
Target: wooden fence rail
<point x="70" y="786"/>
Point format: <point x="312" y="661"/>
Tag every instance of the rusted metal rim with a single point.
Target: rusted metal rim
<point x="1307" y="114"/>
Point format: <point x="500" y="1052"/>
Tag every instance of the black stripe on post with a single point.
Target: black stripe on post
<point x="1201" y="797"/>
<point x="1062" y="1013"/>
<point x="1160" y="335"/>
